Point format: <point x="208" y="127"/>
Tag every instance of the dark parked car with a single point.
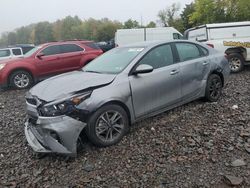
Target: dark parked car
<point x="47" y="60"/>
<point x="120" y="87"/>
<point x="106" y="46"/>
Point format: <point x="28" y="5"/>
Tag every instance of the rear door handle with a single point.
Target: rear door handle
<point x="173" y="72"/>
<point x="205" y="63"/>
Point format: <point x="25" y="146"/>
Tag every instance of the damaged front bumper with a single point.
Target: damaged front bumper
<point x="52" y="134"/>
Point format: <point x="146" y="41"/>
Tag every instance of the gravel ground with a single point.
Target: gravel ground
<point x="197" y="145"/>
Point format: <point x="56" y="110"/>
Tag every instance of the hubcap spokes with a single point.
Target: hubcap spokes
<point x="215" y="88"/>
<point x="109" y="126"/>
<point x="235" y="63"/>
<point x="21" y="80"/>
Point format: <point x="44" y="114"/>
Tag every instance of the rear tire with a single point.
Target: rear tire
<point x="236" y="62"/>
<point x="213" y="88"/>
<point x="107" y="126"/>
<point x="20" y="79"/>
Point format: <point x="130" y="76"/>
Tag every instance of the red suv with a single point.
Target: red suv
<point x="47" y="60"/>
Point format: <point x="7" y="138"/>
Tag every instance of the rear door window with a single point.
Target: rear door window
<point x="187" y="51"/>
<point x="51" y="50"/>
<point x="4" y="53"/>
<point x="17" y="51"/>
<point x="67" y="48"/>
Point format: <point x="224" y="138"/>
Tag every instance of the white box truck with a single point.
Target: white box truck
<point x="230" y="38"/>
<point x="129" y="36"/>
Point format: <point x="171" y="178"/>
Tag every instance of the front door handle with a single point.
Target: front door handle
<point x="173" y="72"/>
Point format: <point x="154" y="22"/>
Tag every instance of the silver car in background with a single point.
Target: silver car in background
<point x="117" y="89"/>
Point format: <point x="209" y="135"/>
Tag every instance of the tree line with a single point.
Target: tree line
<point x="202" y="12"/>
<point x="197" y="13"/>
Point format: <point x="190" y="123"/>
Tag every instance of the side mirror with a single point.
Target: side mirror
<point x="40" y="55"/>
<point x="143" y="69"/>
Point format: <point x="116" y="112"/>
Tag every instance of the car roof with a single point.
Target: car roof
<point x="67" y="42"/>
<point x="10" y="48"/>
<point x="148" y="44"/>
<point x="220" y="25"/>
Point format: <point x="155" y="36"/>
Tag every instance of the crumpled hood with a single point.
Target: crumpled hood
<point x="66" y="84"/>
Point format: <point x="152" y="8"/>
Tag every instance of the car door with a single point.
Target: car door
<point x="71" y="55"/>
<point x="194" y="65"/>
<point x="160" y="88"/>
<point x="50" y="63"/>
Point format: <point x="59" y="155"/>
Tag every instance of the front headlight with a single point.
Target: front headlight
<point x="61" y="107"/>
<point x="2" y="66"/>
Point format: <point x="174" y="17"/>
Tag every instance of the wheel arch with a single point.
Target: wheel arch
<point x="240" y="50"/>
<point x="219" y="73"/>
<point x="20" y="69"/>
<point x="121" y="104"/>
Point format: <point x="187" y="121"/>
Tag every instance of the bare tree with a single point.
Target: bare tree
<point x="167" y="15"/>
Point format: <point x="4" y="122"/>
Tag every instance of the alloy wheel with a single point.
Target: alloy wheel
<point x="21" y="80"/>
<point x="215" y="88"/>
<point x="235" y="63"/>
<point x="109" y="126"/>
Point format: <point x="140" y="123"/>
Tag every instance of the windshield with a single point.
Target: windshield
<point x="32" y="51"/>
<point x="114" y="61"/>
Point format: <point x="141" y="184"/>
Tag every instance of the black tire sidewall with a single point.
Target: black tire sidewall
<point x="233" y="55"/>
<point x="12" y="76"/>
<point x="91" y="131"/>
<point x="207" y="93"/>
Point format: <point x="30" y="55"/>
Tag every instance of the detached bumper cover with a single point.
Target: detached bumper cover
<point x="54" y="134"/>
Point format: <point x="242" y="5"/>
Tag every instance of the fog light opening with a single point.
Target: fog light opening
<point x="54" y="135"/>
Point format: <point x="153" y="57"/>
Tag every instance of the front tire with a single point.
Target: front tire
<point x="213" y="88"/>
<point x="236" y="62"/>
<point x="107" y="126"/>
<point x="21" y="79"/>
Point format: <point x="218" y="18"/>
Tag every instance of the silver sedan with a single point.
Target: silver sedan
<point x="117" y="89"/>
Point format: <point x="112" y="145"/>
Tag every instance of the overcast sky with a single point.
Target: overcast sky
<point x="17" y="13"/>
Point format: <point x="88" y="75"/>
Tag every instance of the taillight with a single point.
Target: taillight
<point x="211" y="45"/>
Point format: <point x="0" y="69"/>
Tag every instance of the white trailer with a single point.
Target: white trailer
<point x="230" y="38"/>
<point x="129" y="36"/>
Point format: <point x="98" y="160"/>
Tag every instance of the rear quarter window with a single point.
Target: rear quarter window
<point x="92" y="45"/>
